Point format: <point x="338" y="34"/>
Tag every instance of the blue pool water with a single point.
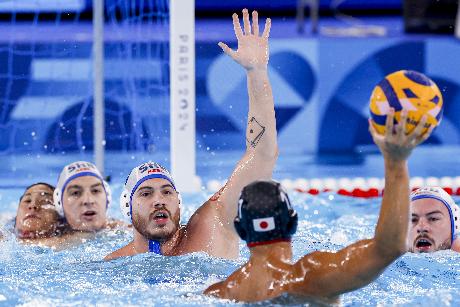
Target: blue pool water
<point x="32" y="276"/>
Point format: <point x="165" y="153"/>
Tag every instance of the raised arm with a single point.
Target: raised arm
<point x="261" y="146"/>
<point x="330" y="274"/>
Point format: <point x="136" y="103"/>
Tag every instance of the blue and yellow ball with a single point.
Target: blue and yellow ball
<point x="409" y="90"/>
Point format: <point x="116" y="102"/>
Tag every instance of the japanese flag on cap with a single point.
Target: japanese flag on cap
<point x="264" y="224"/>
<point x="139" y="174"/>
<point x="73" y="171"/>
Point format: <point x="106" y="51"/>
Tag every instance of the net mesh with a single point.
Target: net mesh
<point x="46" y="76"/>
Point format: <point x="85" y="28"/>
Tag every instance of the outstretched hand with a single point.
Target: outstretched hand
<point x="252" y="50"/>
<point x="396" y="144"/>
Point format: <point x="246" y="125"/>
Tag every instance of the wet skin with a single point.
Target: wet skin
<point x="36" y="215"/>
<point x="325" y="275"/>
<point x="156" y="210"/>
<point x="156" y="216"/>
<point x="85" y="204"/>
<point x="210" y="229"/>
<point x="430" y="228"/>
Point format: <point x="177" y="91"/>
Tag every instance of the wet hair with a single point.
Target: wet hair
<point x="38" y="183"/>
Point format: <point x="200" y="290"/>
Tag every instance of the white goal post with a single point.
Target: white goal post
<point x="182" y="91"/>
<point x="182" y="94"/>
<point x="98" y="85"/>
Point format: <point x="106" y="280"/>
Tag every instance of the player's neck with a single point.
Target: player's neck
<point x="141" y="243"/>
<point x="279" y="251"/>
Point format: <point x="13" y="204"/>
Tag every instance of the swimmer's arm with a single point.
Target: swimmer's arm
<point x="261" y="146"/>
<point x="330" y="274"/>
<point x="216" y="290"/>
<point x="327" y="274"/>
<point x="396" y="146"/>
<point x="232" y="288"/>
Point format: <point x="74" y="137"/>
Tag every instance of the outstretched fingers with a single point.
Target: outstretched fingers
<point x="229" y="51"/>
<point x="268" y="24"/>
<point x="400" y="128"/>
<point x="247" y="24"/>
<point x="389" y="124"/>
<point x="417" y="136"/>
<point x="237" y="26"/>
<point x="424" y="136"/>
<point x="255" y="23"/>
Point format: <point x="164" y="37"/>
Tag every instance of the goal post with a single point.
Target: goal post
<point x="98" y="84"/>
<point x="182" y="94"/>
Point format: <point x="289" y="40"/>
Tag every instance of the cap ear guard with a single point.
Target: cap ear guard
<point x="108" y="192"/>
<point x="124" y="204"/>
<point x="239" y="228"/>
<point x="180" y="197"/>
<point x="291" y="226"/>
<point x="57" y="202"/>
<point x="237" y="221"/>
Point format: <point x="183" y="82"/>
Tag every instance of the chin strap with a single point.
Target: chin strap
<point x="154" y="247"/>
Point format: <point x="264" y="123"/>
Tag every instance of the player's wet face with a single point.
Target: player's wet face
<point x="430" y="228"/>
<point x="36" y="215"/>
<point x="85" y="204"/>
<point x="156" y="209"/>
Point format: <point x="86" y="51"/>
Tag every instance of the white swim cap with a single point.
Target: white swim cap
<point x="438" y="193"/>
<point x="139" y="174"/>
<point x="73" y="171"/>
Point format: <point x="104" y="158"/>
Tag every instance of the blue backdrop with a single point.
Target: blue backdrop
<point x="321" y="87"/>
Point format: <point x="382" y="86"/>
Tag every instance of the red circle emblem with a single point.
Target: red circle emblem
<point x="263" y="224"/>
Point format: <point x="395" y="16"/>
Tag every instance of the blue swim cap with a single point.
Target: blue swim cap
<point x="265" y="214"/>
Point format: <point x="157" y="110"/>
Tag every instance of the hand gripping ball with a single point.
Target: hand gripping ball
<point x="409" y="90"/>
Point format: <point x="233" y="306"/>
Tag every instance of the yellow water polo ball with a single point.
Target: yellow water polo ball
<point x="409" y="90"/>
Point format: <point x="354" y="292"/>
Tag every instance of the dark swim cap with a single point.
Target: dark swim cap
<point x="265" y="214"/>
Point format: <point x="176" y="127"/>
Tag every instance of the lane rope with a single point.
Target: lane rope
<point x="355" y="187"/>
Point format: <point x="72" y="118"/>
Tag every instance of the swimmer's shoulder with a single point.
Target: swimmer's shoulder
<point x="125" y="251"/>
<point x="212" y="208"/>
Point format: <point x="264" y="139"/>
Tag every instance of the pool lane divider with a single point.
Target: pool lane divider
<point x="355" y="187"/>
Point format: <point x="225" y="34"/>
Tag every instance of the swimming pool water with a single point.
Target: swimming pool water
<point x="31" y="275"/>
<point x="37" y="276"/>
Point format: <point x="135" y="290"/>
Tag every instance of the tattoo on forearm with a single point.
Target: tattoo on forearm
<point x="256" y="130"/>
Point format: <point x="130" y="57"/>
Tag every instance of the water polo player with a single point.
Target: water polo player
<point x="150" y="197"/>
<point x="266" y="221"/>
<point x="36" y="216"/>
<point x="435" y="221"/>
<point x="82" y="197"/>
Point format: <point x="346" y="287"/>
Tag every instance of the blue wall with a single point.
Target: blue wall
<point x="321" y="87"/>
